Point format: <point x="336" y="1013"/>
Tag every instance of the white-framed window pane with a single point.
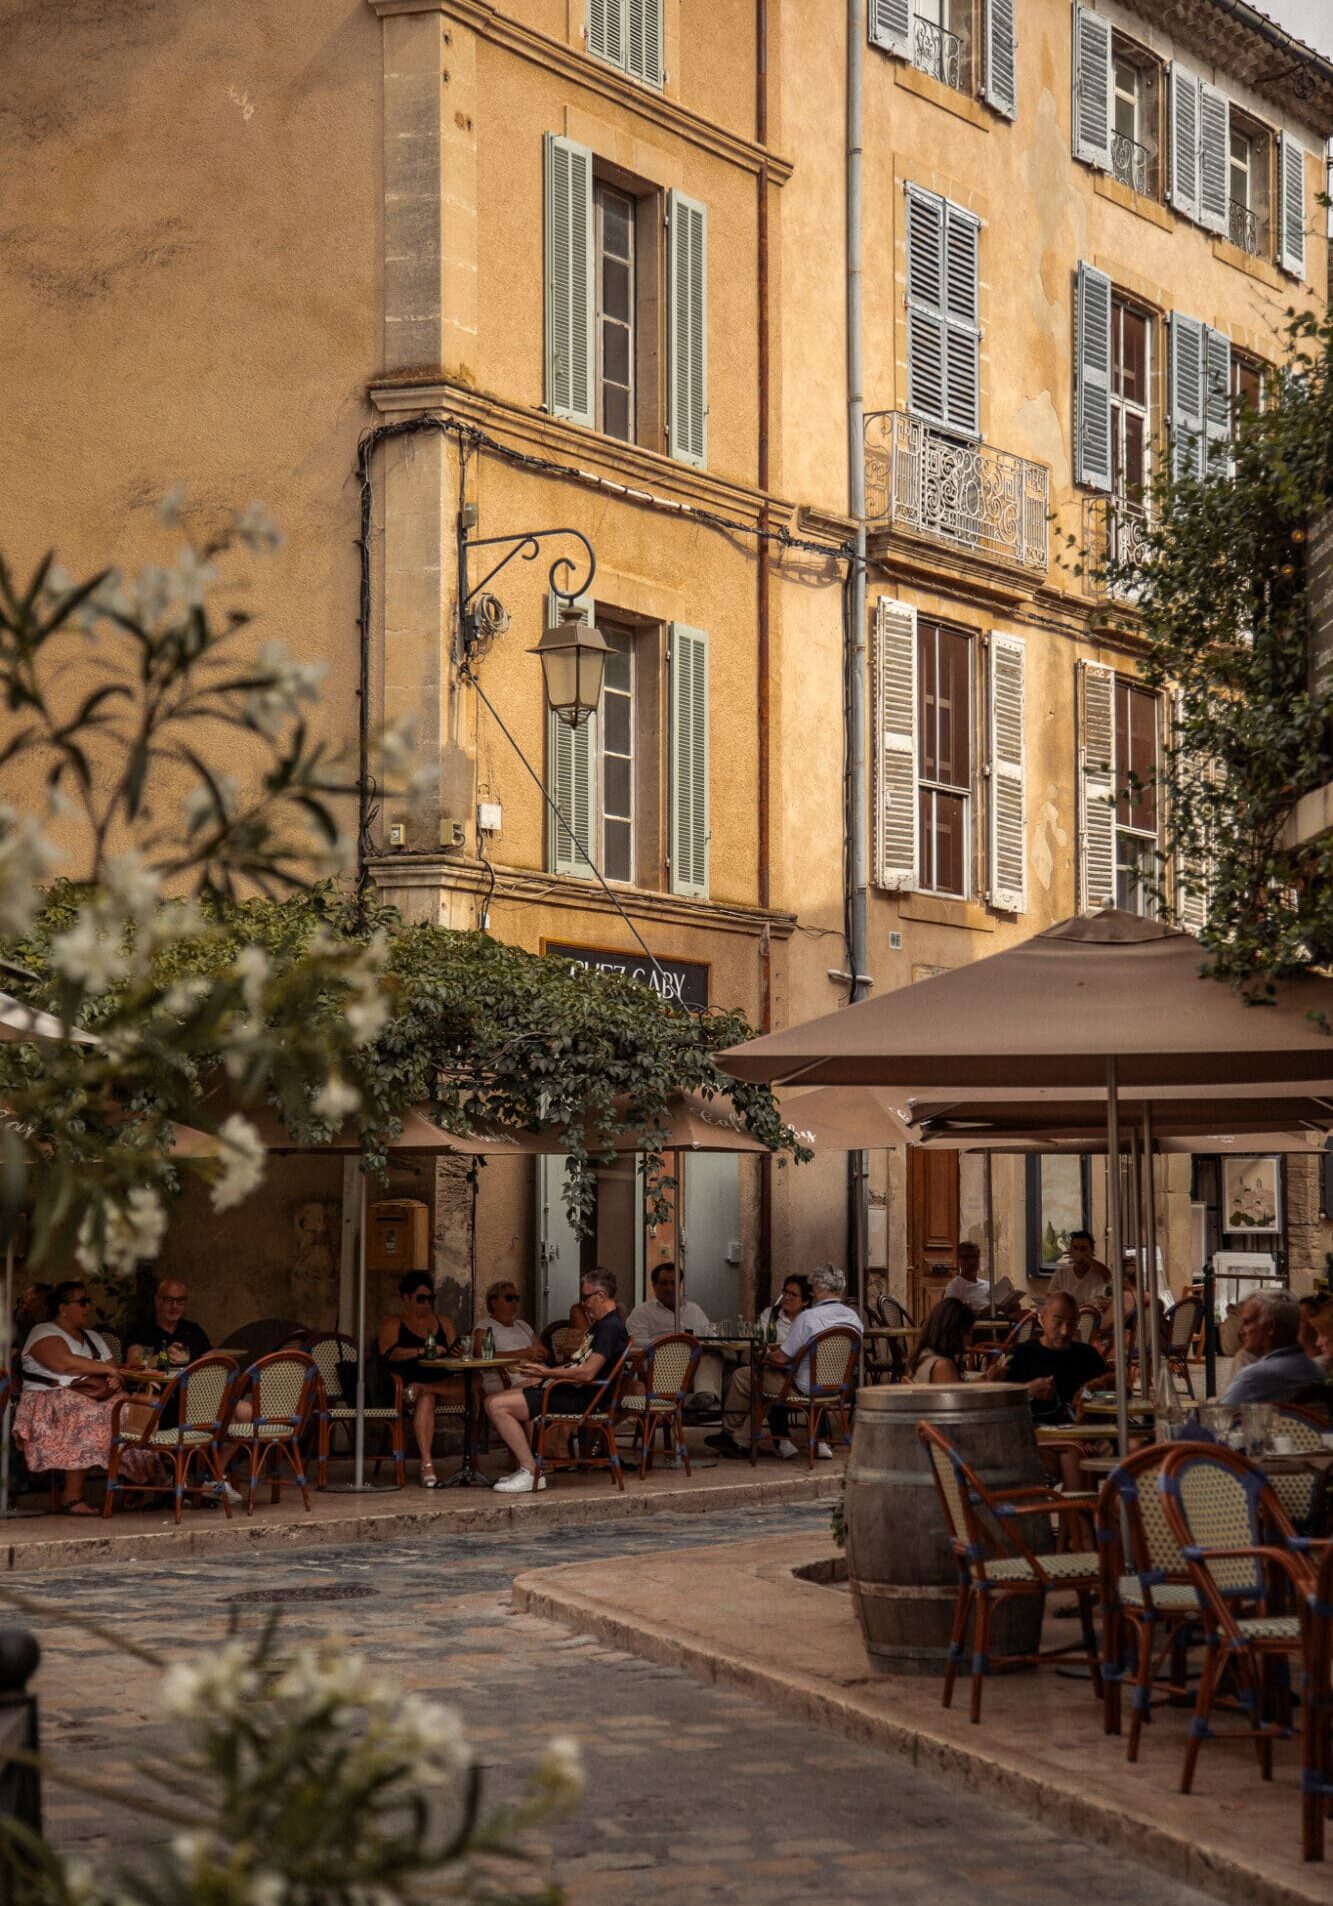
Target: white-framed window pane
<point x="615" y="290"/>
<point x="1126" y="99"/>
<point x="616" y="751"/>
<point x="1241" y="153"/>
<point x="944" y="675"/>
<point x="1135" y="872"/>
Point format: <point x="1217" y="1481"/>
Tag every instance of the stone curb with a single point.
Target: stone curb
<point x="541" y="1592"/>
<point x="555" y="1508"/>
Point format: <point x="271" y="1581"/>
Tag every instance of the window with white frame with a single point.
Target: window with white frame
<point x="1131" y="386"/>
<point x="628" y="34"/>
<point x="1119" y="729"/>
<point x="614" y="291"/>
<point x="968" y="45"/>
<point x="944" y="776"/>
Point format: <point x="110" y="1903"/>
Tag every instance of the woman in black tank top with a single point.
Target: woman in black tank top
<point x="401" y="1342"/>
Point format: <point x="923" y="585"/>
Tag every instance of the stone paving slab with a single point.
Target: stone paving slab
<point x="341" y="1521"/>
<point x="737" y="1617"/>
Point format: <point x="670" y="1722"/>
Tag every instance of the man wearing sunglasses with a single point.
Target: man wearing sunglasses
<point x="593" y="1363"/>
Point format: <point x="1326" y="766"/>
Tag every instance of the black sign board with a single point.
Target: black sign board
<point x="683" y="982"/>
<point x="1319" y="599"/>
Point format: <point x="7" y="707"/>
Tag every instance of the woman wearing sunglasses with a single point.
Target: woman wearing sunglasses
<point x="402" y="1340"/>
<point x="508" y="1331"/>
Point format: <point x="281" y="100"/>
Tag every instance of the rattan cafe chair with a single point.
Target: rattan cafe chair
<point x="283" y="1393"/>
<point x="995" y="1564"/>
<point x="335" y="1356"/>
<point x="596" y="1421"/>
<point x="829" y="1360"/>
<point x="653" y="1395"/>
<point x="199" y="1399"/>
<point x="1246" y="1563"/>
<point x="1178" y="1334"/>
<point x="1317" y="1712"/>
<point x="1305" y="1497"/>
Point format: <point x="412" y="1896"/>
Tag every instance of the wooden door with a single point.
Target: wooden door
<point x="932" y="1225"/>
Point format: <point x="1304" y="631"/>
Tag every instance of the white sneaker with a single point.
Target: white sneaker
<point x="786" y="1449"/>
<point x="824" y="1453"/>
<point x="521" y="1483"/>
<point x="219" y="1489"/>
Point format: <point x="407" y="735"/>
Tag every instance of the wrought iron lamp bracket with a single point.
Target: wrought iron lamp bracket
<point x="473" y="638"/>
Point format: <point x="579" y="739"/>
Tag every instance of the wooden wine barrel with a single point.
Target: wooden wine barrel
<point x="900" y="1566"/>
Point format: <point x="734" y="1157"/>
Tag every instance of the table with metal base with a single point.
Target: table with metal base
<point x="467" y="1475"/>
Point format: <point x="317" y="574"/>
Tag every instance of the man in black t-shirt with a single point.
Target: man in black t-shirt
<point x="166" y="1327"/>
<point x="1055" y="1364"/>
<point x="582" y="1380"/>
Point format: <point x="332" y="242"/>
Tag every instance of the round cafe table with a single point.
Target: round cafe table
<point x="467" y="1475"/>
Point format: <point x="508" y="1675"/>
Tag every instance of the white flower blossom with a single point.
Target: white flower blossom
<point x="430" y="1738"/>
<point x="560" y="1770"/>
<point x="265" y="1889"/>
<point x="215" y="1685"/>
<point x="131" y="1232"/>
<point x="336" y="1100"/>
<point x="243" y="1161"/>
<point x="90" y="954"/>
<point x="288" y="683"/>
<point x="397" y="744"/>
<point x="192" y="578"/>
<point x="25" y="859"/>
<point x="134" y="885"/>
<point x="169" y="507"/>
<point x="257" y="529"/>
<point x="183" y="995"/>
<point x="201" y="804"/>
<point x="79" y="1884"/>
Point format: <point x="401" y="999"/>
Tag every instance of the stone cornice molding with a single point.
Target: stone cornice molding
<point x="1236" y="38"/>
<point x="596" y="77"/>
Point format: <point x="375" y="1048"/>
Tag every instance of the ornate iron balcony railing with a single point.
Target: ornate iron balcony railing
<point x="1243" y="227"/>
<point x="966" y="494"/>
<point x="938" y="52"/>
<point x="1115" y="531"/>
<point x="1131" y="163"/>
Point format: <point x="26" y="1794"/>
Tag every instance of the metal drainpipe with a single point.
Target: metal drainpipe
<point x="763" y="737"/>
<point x="855" y="632"/>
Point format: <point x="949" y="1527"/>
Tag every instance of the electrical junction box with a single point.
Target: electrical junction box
<point x="398" y="1235"/>
<point x="489" y="817"/>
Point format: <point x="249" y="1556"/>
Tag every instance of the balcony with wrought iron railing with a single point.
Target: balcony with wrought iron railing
<point x="1131" y="163"/>
<point x="965" y="494"/>
<point x="937" y="51"/>
<point x="1243" y="227"/>
<point x="1115" y="532"/>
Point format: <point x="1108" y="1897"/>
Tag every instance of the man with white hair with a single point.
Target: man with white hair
<point x="1270" y="1323"/>
<point x="828" y="1309"/>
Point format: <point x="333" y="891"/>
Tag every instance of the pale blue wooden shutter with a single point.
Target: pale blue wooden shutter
<point x="606" y="30"/>
<point x="687" y="397"/>
<point x="1214" y="157"/>
<point x="1092" y="380"/>
<point x="1001" y="84"/>
<point x="893" y="762"/>
<point x="890" y="24"/>
<point x="1097" y="789"/>
<point x="962" y="311"/>
<point x="1092" y="88"/>
<point x="688" y="770"/>
<point x="1184" y="141"/>
<point x="1217" y="397"/>
<point x="1187" y="395"/>
<point x="643" y="51"/>
<point x="1007" y="769"/>
<point x="572" y="755"/>
<point x="925" y="304"/>
<point x="569" y="280"/>
<point x="1291" y="205"/>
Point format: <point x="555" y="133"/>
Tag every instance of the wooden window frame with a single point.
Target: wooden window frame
<point x="931" y="788"/>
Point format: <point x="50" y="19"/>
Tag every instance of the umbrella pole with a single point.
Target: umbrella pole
<point x="680" y="1235"/>
<point x="1136" y="1227"/>
<point x="358" y="1486"/>
<point x="990" y="1231"/>
<point x="7" y="1425"/>
<point x="1150" y="1226"/>
<point x="1113" y="1218"/>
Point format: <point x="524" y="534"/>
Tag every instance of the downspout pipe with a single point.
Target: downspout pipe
<point x="854" y="634"/>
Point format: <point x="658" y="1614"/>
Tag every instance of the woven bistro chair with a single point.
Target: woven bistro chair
<point x="202" y="1396"/>
<point x="1088" y="1319"/>
<point x="335" y="1357"/>
<point x="283" y="1392"/>
<point x="1178" y="1334"/>
<point x="665" y="1369"/>
<point x="597" y="1419"/>
<point x="1147" y="1597"/>
<point x="1305" y="1498"/>
<point x="830" y="1359"/>
<point x="1245" y="1562"/>
<point x="996" y="1564"/>
<point x="1317" y="1712"/>
<point x="987" y="1354"/>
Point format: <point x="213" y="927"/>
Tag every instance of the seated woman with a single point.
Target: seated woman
<point x="508" y="1331"/>
<point x="945" y="1336"/>
<point x="737" y="1402"/>
<point x="512" y="1410"/>
<point x="401" y="1342"/>
<point x="70" y="1385"/>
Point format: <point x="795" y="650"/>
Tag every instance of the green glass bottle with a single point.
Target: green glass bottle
<point x="488" y="1343"/>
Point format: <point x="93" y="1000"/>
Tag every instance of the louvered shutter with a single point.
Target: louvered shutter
<point x="572" y="754"/>
<point x="644" y="40"/>
<point x="891" y="26"/>
<point x="569" y="276"/>
<point x="1093" y="73"/>
<point x="606" y="30"/>
<point x="1217" y="396"/>
<point x="1214" y="156"/>
<point x="1184" y="141"/>
<point x="1001" y="87"/>
<point x="1092" y="380"/>
<point x="1008" y="798"/>
<point x="962" y="336"/>
<point x="1291" y="205"/>
<point x="688" y="365"/>
<point x="1096" y="780"/>
<point x="1187" y="396"/>
<point x="925" y="305"/>
<point x="894" y="757"/>
<point x="688" y="767"/>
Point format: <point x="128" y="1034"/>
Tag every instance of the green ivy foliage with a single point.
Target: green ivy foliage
<point x="1221" y="611"/>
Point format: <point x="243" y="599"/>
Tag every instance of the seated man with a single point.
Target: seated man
<point x="1270" y="1323"/>
<point x="828" y="1311"/>
<point x="512" y="1410"/>
<point x="970" y="1287"/>
<point x="737" y="1412"/>
<point x="656" y="1317"/>
<point x="1055" y="1364"/>
<point x="166" y="1327"/>
<point x="1084" y="1276"/>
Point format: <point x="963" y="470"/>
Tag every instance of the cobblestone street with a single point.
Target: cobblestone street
<point x="695" y="1794"/>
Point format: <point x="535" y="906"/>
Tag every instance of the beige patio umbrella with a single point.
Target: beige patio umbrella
<point x="1109" y="1001"/>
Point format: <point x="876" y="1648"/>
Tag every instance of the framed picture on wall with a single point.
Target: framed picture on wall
<point x="1251" y="1195"/>
<point x="1058" y="1202"/>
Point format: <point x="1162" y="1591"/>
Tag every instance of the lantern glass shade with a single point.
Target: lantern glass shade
<point x="573" y="656"/>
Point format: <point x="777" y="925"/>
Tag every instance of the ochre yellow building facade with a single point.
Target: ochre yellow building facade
<point x="555" y="264"/>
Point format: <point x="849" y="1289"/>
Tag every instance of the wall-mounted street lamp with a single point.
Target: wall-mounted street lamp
<point x="571" y="651"/>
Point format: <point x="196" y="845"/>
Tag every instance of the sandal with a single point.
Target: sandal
<point x="428" y="1479"/>
<point x="76" y="1508"/>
